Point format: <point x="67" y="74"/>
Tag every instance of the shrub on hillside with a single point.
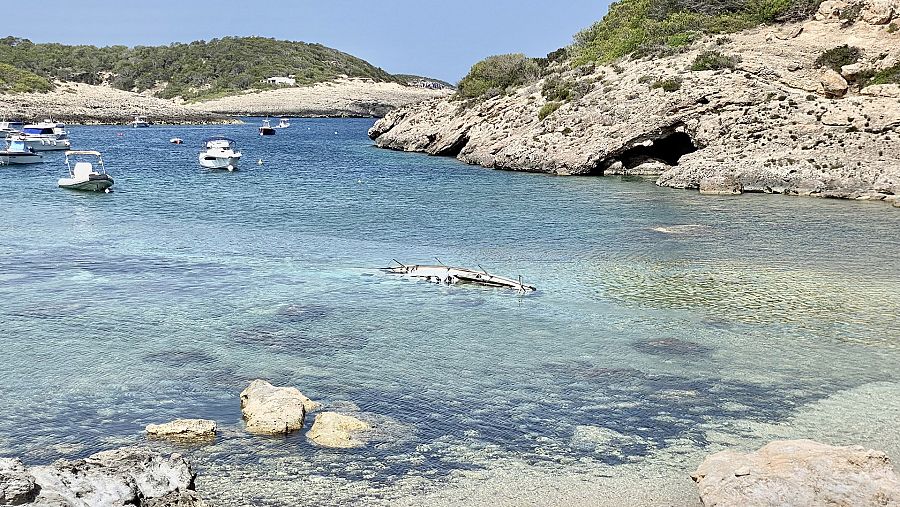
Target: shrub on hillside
<point x="548" y="109"/>
<point x="713" y="60"/>
<point x="672" y="84"/>
<point x="836" y="58"/>
<point x="13" y="80"/>
<point x="497" y="74"/>
<point x="635" y="25"/>
<point x="891" y="75"/>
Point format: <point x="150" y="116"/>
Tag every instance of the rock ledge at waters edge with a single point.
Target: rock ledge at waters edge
<point x="274" y="410"/>
<point x="331" y="429"/>
<point x="798" y="472"/>
<point x="770" y="125"/>
<point x="184" y="429"/>
<point x="130" y="476"/>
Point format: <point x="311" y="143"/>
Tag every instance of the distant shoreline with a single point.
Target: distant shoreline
<point x="82" y="104"/>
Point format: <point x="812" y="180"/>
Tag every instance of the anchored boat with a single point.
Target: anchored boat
<point x="17" y="153"/>
<point x="140" y="122"/>
<point x="45" y="136"/>
<point x="220" y="154"/>
<point x="266" y="129"/>
<point x="83" y="175"/>
<point x="450" y="275"/>
<point x="283" y="124"/>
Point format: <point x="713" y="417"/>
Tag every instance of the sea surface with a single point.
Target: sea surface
<point x="666" y="325"/>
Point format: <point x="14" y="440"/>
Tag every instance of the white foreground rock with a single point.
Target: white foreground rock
<point x="131" y="476"/>
<point x="274" y="410"/>
<point x="331" y="429"/>
<point x="798" y="472"/>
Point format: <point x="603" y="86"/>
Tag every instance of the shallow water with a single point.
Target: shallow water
<point x="663" y="321"/>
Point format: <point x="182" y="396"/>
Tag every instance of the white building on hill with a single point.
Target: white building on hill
<point x="283" y="81"/>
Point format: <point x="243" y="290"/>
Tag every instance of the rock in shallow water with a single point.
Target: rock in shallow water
<point x="185" y="429"/>
<point x="131" y="476"/>
<point x="331" y="429"/>
<point x="798" y="472"/>
<point x="274" y="410"/>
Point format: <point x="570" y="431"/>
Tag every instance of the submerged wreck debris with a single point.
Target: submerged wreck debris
<point x="450" y="275"/>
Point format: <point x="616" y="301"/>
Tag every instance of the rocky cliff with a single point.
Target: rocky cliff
<point x="774" y="120"/>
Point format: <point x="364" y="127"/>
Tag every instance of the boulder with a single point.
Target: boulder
<point x="17" y="486"/>
<point x="830" y="9"/>
<point x="852" y="70"/>
<point x="186" y="429"/>
<point x="798" y="472"/>
<point x="274" y="410"/>
<point x="131" y="476"/>
<point x="331" y="429"/>
<point x="896" y="203"/>
<point x="720" y="185"/>
<point x="877" y="12"/>
<point x="833" y="84"/>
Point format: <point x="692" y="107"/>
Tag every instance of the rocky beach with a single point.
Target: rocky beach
<point x="776" y="122"/>
<point x="85" y="104"/>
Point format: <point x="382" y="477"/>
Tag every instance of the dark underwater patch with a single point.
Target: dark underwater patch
<point x="671" y="346"/>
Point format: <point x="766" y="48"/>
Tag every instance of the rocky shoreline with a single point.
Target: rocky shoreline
<point x="342" y="98"/>
<point x="78" y="103"/>
<point x="776" y="123"/>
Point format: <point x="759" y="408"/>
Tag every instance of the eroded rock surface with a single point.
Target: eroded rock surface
<point x="130" y="476"/>
<point x="798" y="472"/>
<point x="331" y="429"/>
<point x="768" y="125"/>
<point x="274" y="410"/>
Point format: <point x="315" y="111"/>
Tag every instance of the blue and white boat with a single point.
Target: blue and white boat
<point x="17" y="152"/>
<point x="45" y="136"/>
<point x="220" y="153"/>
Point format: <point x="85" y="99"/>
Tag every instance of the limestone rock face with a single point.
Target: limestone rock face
<point x="191" y="429"/>
<point x="877" y="12"/>
<point x="130" y="476"/>
<point x="834" y="84"/>
<point x="17" y="486"/>
<point x="766" y="124"/>
<point x="331" y="429"/>
<point x="720" y="185"/>
<point x="798" y="472"/>
<point x="274" y="410"/>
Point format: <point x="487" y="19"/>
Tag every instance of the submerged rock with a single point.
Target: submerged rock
<point x="331" y="429"/>
<point x="17" y="486"/>
<point x="131" y="476"/>
<point x="185" y="429"/>
<point x="274" y="410"/>
<point x="798" y="472"/>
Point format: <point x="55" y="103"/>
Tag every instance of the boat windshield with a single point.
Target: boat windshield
<point x="221" y="143"/>
<point x="17" y="145"/>
<point x="37" y="130"/>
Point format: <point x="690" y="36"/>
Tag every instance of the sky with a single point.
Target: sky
<point x="436" y="39"/>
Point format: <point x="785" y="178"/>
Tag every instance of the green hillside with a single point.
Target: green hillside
<point x="196" y="70"/>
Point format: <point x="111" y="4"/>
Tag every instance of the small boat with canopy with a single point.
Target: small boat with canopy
<point x="84" y="174"/>
<point x="17" y="152"/>
<point x="267" y="129"/>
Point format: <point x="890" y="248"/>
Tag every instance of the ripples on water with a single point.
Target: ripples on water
<point x="661" y="315"/>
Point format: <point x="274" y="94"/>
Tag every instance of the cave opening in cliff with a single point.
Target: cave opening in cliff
<point x="455" y="148"/>
<point x="668" y="149"/>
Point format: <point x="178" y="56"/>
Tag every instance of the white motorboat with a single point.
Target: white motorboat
<point x="140" y="122"/>
<point x="220" y="153"/>
<point x="266" y="129"/>
<point x="176" y="140"/>
<point x="45" y="136"/>
<point x="9" y="128"/>
<point x="17" y="152"/>
<point x="283" y="124"/>
<point x="83" y="175"/>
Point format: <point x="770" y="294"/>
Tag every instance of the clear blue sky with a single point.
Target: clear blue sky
<point x="438" y="39"/>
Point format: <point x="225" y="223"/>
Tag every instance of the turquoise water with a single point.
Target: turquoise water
<point x="661" y="315"/>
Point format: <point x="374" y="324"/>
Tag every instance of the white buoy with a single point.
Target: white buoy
<point x="259" y="162"/>
<point x="359" y="181"/>
<point x="230" y="168"/>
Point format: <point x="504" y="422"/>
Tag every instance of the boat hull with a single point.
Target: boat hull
<point x="48" y="144"/>
<point x="20" y="158"/>
<point x="211" y="162"/>
<point x="264" y="131"/>
<point x="94" y="184"/>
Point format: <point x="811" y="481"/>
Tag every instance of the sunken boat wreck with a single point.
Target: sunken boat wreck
<point x="450" y="275"/>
